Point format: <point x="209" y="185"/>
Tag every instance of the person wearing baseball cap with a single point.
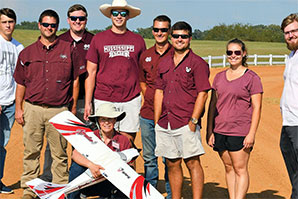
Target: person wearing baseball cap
<point x="112" y="67"/>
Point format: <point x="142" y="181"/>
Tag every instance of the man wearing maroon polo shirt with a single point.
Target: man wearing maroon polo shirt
<point x="148" y="64"/>
<point x="44" y="74"/>
<point x="113" y="67"/>
<point x="80" y="40"/>
<point x="181" y="92"/>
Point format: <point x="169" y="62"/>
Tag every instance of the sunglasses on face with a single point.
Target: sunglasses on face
<point x="160" y="29"/>
<point x="74" y="18"/>
<point x="176" y="36"/>
<point x="122" y="13"/>
<point x="53" y="25"/>
<point x="230" y="52"/>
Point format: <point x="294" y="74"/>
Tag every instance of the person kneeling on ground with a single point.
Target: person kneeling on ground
<point x="105" y="117"/>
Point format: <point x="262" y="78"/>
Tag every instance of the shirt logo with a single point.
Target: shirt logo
<point x="86" y="46"/>
<point x="63" y="56"/>
<point x="187" y="69"/>
<point x="119" y="50"/>
<point x="148" y="59"/>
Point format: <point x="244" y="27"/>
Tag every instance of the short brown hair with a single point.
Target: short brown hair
<point x="163" y="18"/>
<point x="288" y="20"/>
<point x="76" y="7"/>
<point x="9" y="13"/>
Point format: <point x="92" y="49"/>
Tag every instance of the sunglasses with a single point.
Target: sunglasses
<point x="122" y="13"/>
<point x="74" y="18"/>
<point x="160" y="29"/>
<point x="53" y="25"/>
<point x="176" y="36"/>
<point x="230" y="52"/>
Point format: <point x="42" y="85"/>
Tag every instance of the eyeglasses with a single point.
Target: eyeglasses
<point x="176" y="36"/>
<point x="160" y="29"/>
<point x="122" y="13"/>
<point x="291" y="31"/>
<point x="230" y="52"/>
<point x="74" y="18"/>
<point x="53" y="25"/>
<point x="105" y="119"/>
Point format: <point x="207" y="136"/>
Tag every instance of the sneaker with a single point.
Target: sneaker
<point x="5" y="189"/>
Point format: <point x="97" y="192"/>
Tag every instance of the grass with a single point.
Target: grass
<point x="200" y="47"/>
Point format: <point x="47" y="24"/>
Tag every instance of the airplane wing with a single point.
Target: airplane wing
<point x="116" y="171"/>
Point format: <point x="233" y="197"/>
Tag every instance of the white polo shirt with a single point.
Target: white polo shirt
<point x="289" y="98"/>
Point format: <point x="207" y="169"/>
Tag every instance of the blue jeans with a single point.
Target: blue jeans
<point x="151" y="165"/>
<point x="103" y="189"/>
<point x="6" y="122"/>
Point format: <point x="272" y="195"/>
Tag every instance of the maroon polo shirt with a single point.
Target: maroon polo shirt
<point x="48" y="74"/>
<point x="181" y="85"/>
<point x="118" y="143"/>
<point x="148" y="64"/>
<point x="81" y="47"/>
<point x="117" y="56"/>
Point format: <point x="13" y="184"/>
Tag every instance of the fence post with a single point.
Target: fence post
<point x="255" y="59"/>
<point x="224" y="61"/>
<point x="210" y="60"/>
<point x="270" y="59"/>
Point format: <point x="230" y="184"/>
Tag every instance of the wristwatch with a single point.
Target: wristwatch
<point x="194" y="120"/>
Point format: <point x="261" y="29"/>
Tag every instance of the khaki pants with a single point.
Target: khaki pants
<point x="36" y="126"/>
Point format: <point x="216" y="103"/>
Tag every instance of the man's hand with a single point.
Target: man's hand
<point x="0" y="109"/>
<point x="87" y="111"/>
<point x="192" y="126"/>
<point x="19" y="116"/>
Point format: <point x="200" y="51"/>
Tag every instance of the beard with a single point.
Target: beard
<point x="292" y="46"/>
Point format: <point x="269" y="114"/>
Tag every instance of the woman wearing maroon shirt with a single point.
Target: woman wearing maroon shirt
<point x="233" y="117"/>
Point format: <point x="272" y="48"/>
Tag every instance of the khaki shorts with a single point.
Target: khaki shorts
<point x="178" y="143"/>
<point x="131" y="122"/>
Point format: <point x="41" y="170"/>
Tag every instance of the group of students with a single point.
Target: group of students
<point x="77" y="71"/>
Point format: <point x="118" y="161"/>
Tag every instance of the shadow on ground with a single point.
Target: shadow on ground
<point x="212" y="190"/>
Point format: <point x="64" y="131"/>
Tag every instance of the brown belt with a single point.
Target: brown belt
<point x="47" y="105"/>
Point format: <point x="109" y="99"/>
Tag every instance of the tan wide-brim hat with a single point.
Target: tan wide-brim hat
<point x="119" y="4"/>
<point x="107" y="110"/>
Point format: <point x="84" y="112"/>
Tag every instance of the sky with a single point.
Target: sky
<point x="200" y="14"/>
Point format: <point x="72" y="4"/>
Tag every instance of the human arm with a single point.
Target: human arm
<point x="19" y="112"/>
<point x="198" y="109"/>
<point x="256" y="101"/>
<point x="210" y="119"/>
<point x="143" y="86"/>
<point x="75" y="95"/>
<point x="89" y="87"/>
<point x="158" y="97"/>
<point x="0" y="109"/>
<point x="81" y="160"/>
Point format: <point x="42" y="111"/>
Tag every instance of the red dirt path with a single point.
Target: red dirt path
<point x="268" y="176"/>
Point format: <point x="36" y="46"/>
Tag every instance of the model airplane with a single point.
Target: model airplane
<point x="120" y="174"/>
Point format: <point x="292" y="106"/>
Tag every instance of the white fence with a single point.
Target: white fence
<point x="252" y="60"/>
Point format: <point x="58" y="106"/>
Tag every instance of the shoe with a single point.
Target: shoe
<point x="27" y="196"/>
<point x="5" y="189"/>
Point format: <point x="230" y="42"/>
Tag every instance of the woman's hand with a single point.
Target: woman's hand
<point x="249" y="141"/>
<point x="95" y="169"/>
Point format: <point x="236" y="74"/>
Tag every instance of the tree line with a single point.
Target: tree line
<point x="221" y="32"/>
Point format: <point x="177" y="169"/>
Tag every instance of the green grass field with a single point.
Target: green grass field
<point x="202" y="48"/>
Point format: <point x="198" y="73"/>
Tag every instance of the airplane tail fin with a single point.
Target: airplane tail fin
<point x="47" y="190"/>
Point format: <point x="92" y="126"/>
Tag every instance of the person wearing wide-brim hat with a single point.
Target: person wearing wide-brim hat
<point x="106" y="115"/>
<point x="113" y="67"/>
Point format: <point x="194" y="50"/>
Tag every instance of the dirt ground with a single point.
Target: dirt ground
<point x="268" y="176"/>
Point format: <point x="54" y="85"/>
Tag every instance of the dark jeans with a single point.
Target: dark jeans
<point x="289" y="149"/>
<point x="104" y="189"/>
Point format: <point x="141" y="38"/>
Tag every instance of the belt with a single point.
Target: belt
<point x="47" y="105"/>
